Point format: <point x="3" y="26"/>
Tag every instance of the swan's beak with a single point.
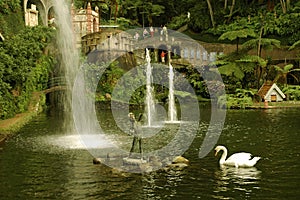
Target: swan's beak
<point x="216" y="152"/>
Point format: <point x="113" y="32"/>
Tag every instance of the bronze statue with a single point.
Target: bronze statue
<point x="136" y="132"/>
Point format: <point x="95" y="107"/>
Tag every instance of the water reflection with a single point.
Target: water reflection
<point x="160" y="186"/>
<point x="237" y="179"/>
<point x="41" y="162"/>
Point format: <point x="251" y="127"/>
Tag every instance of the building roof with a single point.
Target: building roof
<point x="267" y="88"/>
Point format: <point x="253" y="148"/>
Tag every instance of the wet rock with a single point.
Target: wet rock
<point x="177" y="166"/>
<point x="97" y="161"/>
<point x="180" y="159"/>
<point x="178" y="163"/>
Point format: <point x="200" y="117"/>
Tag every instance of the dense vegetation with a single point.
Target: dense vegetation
<point x="252" y="25"/>
<point x="25" y="64"/>
<point x="280" y="17"/>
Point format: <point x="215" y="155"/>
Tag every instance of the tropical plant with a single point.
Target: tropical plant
<point x="283" y="72"/>
<point x="240" y="100"/>
<point x="292" y="92"/>
<point x="261" y="43"/>
<point x="296" y="44"/>
<point x="237" y="34"/>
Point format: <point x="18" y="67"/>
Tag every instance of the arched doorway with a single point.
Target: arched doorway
<point x="163" y="48"/>
<point x="51" y="17"/>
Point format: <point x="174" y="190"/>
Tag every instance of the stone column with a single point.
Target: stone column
<point x="156" y="56"/>
<point x="89" y="18"/>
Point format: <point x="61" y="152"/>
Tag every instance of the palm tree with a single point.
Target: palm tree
<point x="283" y="72"/>
<point x="261" y="43"/>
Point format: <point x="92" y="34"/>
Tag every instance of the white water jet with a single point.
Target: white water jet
<point x="79" y="106"/>
<point x="172" y="113"/>
<point x="69" y="62"/>
<point x="150" y="104"/>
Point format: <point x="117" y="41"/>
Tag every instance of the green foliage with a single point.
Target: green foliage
<point x="11" y="18"/>
<point x="238" y="67"/>
<point x="8" y="6"/>
<point x="240" y="100"/>
<point x="197" y="82"/>
<point x="178" y="21"/>
<point x="292" y="91"/>
<point x="231" y="69"/>
<point x="266" y="43"/>
<point x="24" y="68"/>
<point x="296" y="44"/>
<point x="102" y="78"/>
<point x="235" y="34"/>
<point x="200" y="20"/>
<point x="283" y="72"/>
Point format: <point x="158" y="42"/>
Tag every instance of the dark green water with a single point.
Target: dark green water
<point x="42" y="162"/>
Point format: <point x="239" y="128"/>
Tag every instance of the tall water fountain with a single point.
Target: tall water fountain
<point x="149" y="102"/>
<point x="79" y="108"/>
<point x="69" y="61"/>
<point x="172" y="113"/>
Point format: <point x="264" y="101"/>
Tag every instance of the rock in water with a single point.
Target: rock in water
<point x="133" y="161"/>
<point x="180" y="159"/>
<point x="97" y="161"/>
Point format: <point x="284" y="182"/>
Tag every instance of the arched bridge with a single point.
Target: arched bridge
<point x="55" y="84"/>
<point x="109" y="45"/>
<point x="112" y="44"/>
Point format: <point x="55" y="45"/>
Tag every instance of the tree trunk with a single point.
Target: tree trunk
<point x="211" y="13"/>
<point x="259" y="41"/>
<point x="283" y="5"/>
<point x="237" y="44"/>
<point x="225" y="4"/>
<point x="259" y="68"/>
<point x="116" y="12"/>
<point x="287" y="4"/>
<point x="231" y="10"/>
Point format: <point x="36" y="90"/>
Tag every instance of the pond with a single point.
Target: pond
<point x="43" y="162"/>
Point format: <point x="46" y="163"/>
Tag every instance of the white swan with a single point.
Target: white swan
<point x="238" y="159"/>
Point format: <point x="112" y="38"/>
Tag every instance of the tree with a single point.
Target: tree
<point x="211" y="12"/>
<point x="261" y="43"/>
<point x="231" y="10"/>
<point x="285" y="5"/>
<point x="283" y="72"/>
<point x="257" y="63"/>
<point x="24" y="68"/>
<point x="236" y="35"/>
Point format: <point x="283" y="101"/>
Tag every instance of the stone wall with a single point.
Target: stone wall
<point x="31" y="16"/>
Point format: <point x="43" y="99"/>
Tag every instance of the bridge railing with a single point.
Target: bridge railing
<point x="57" y="81"/>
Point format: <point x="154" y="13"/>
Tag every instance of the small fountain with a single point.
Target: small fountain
<point x="149" y="102"/>
<point x="172" y="114"/>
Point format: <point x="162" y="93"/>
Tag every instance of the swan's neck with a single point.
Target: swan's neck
<point x="224" y="156"/>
